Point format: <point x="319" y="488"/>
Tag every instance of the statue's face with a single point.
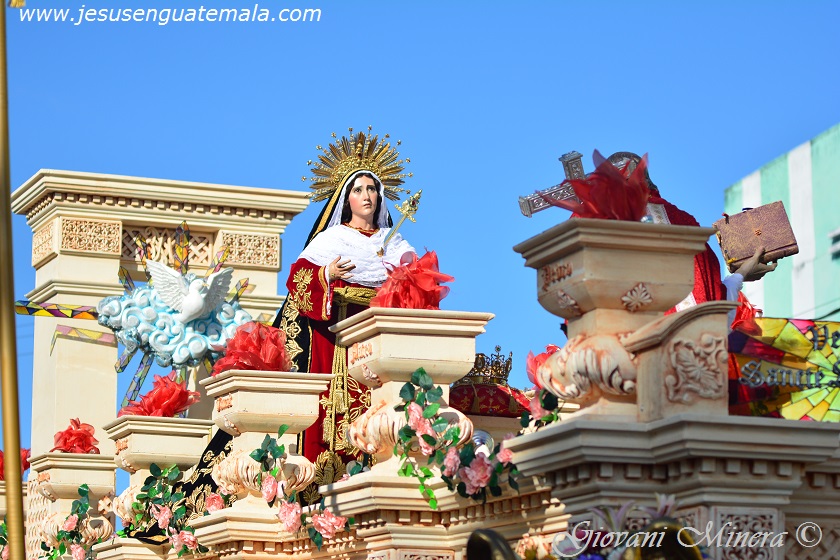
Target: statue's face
<point x="363" y="195"/>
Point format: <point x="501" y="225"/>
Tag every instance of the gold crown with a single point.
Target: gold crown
<point x="489" y="370"/>
<point x="361" y="151"/>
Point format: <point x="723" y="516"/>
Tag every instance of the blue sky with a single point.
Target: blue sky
<point x="485" y="96"/>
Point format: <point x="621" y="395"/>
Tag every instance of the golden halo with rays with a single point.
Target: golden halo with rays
<point x="361" y="151"/>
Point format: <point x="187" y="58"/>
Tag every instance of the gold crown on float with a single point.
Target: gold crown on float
<point x="361" y="151"/>
<point x="489" y="370"/>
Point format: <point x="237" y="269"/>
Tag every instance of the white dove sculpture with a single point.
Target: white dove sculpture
<point x="192" y="296"/>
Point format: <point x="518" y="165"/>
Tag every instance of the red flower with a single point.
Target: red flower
<point x="24" y="462"/>
<point x="745" y="315"/>
<point x="25" y="454"/>
<point x="415" y="284"/>
<point x="609" y="193"/>
<point x="255" y="347"/>
<point x="166" y="399"/>
<point x="77" y="438"/>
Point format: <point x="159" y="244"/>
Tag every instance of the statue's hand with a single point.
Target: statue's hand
<point x="753" y="269"/>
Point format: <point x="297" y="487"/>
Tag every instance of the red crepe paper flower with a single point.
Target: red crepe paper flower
<point x="167" y="399"/>
<point x="77" y="438"/>
<point x="24" y="462"/>
<point x="25" y="454"/>
<point x="533" y="363"/>
<point x="609" y="193"/>
<point x="415" y="284"/>
<point x="255" y="347"/>
<point x="745" y="317"/>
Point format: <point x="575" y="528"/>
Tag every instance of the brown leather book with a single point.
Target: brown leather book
<point x="766" y="226"/>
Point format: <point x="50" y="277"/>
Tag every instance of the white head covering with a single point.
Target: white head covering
<point x="335" y="218"/>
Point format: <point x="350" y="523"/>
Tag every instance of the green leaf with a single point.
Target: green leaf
<point x="276" y="451"/>
<point x="425" y="382"/>
<point x="407" y="392"/>
<point x="426" y="472"/>
<point x="439" y="456"/>
<point x="431" y="410"/>
<point x="433" y="503"/>
<point x="420" y="399"/>
<point x="62" y="549"/>
<point x="440" y="424"/>
<point x="350" y="522"/>
<point x="496" y="491"/>
<point x="453" y="434"/>
<point x="429" y="439"/>
<point x="265" y="442"/>
<point x="467" y="454"/>
<point x="155" y="470"/>
<point x="513" y="484"/>
<point x="548" y="401"/>
<point x="462" y="490"/>
<point x="434" y="394"/>
<point x="316" y="537"/>
<point x="525" y="419"/>
<point x="415" y="377"/>
<point x="406" y="433"/>
<point x="257" y="455"/>
<point x="282" y="430"/>
<point x="84" y="490"/>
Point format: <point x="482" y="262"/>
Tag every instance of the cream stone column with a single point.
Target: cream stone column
<point x="84" y="225"/>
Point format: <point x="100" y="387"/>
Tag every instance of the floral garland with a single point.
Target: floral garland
<point x="468" y="470"/>
<point x="157" y="503"/>
<point x="320" y="523"/>
<point x="69" y="537"/>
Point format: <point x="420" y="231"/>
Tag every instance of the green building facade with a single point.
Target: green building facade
<point x="807" y="181"/>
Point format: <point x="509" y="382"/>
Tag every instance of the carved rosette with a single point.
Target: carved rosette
<point x="636" y="298"/>
<point x="567" y="303"/>
<point x="698" y="369"/>
<point x="587" y="367"/>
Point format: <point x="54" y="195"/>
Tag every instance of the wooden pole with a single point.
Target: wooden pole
<point x="8" y="346"/>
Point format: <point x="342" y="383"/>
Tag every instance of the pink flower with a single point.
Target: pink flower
<point x="533" y="363"/>
<point x="477" y="475"/>
<point x="536" y="409"/>
<point x="451" y="462"/>
<point x="70" y="523"/>
<point x="5" y="554"/>
<point x="327" y="524"/>
<point x="505" y="456"/>
<point x="162" y="514"/>
<point x="214" y="502"/>
<point x="269" y="488"/>
<point x="289" y="515"/>
<point x="176" y="540"/>
<point x="78" y="552"/>
<point x="188" y="539"/>
<point x="415" y="416"/>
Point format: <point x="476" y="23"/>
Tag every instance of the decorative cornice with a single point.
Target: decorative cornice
<point x="125" y="195"/>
